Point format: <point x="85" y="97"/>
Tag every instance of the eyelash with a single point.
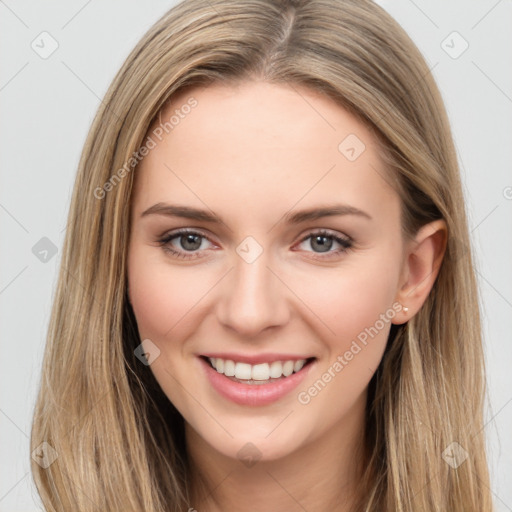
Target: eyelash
<point x="345" y="242"/>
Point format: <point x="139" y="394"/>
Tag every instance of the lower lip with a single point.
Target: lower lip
<point x="254" y="394"/>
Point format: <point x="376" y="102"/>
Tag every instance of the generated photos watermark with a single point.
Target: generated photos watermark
<point x="305" y="397"/>
<point x="150" y="143"/>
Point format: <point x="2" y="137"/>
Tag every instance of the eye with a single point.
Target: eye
<point x="188" y="244"/>
<point x="323" y="241"/>
<point x="184" y="243"/>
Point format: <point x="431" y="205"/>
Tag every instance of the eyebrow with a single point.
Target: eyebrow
<point x="298" y="217"/>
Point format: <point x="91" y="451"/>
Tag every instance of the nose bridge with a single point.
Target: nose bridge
<point x="252" y="297"/>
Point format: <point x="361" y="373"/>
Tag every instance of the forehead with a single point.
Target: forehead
<point x="263" y="147"/>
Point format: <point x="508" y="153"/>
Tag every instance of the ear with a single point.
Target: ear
<point x="422" y="261"/>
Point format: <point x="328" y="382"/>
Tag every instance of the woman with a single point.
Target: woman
<point x="264" y="276"/>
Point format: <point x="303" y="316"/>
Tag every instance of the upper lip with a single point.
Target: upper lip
<point x="256" y="358"/>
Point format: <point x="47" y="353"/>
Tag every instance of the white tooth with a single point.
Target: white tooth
<point x="298" y="365"/>
<point x="243" y="371"/>
<point x="229" y="368"/>
<point x="261" y="371"/>
<point x="276" y="370"/>
<point x="287" y="368"/>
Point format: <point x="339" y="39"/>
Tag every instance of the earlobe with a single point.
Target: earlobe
<point x="421" y="266"/>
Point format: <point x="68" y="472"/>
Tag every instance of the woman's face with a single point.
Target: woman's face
<point x="265" y="280"/>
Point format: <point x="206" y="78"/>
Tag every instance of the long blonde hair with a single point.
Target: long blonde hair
<point x="118" y="440"/>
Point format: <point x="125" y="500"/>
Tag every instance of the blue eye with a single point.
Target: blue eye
<point x="190" y="243"/>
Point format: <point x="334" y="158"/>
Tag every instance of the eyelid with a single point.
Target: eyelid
<point x="326" y="232"/>
<point x="170" y="235"/>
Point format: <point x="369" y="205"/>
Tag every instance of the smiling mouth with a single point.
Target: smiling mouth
<point x="263" y="373"/>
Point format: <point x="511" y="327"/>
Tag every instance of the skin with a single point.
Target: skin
<point x="251" y="154"/>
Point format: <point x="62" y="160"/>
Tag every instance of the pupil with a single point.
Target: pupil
<point x="194" y="240"/>
<point x="322" y="246"/>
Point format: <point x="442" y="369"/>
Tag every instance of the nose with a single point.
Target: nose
<point x="253" y="298"/>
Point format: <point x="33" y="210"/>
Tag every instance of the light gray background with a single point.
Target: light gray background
<point x="47" y="106"/>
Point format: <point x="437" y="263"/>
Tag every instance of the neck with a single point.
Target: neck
<point x="321" y="475"/>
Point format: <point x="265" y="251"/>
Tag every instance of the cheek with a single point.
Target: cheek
<point x="356" y="304"/>
<point x="164" y="298"/>
<point x="351" y="299"/>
